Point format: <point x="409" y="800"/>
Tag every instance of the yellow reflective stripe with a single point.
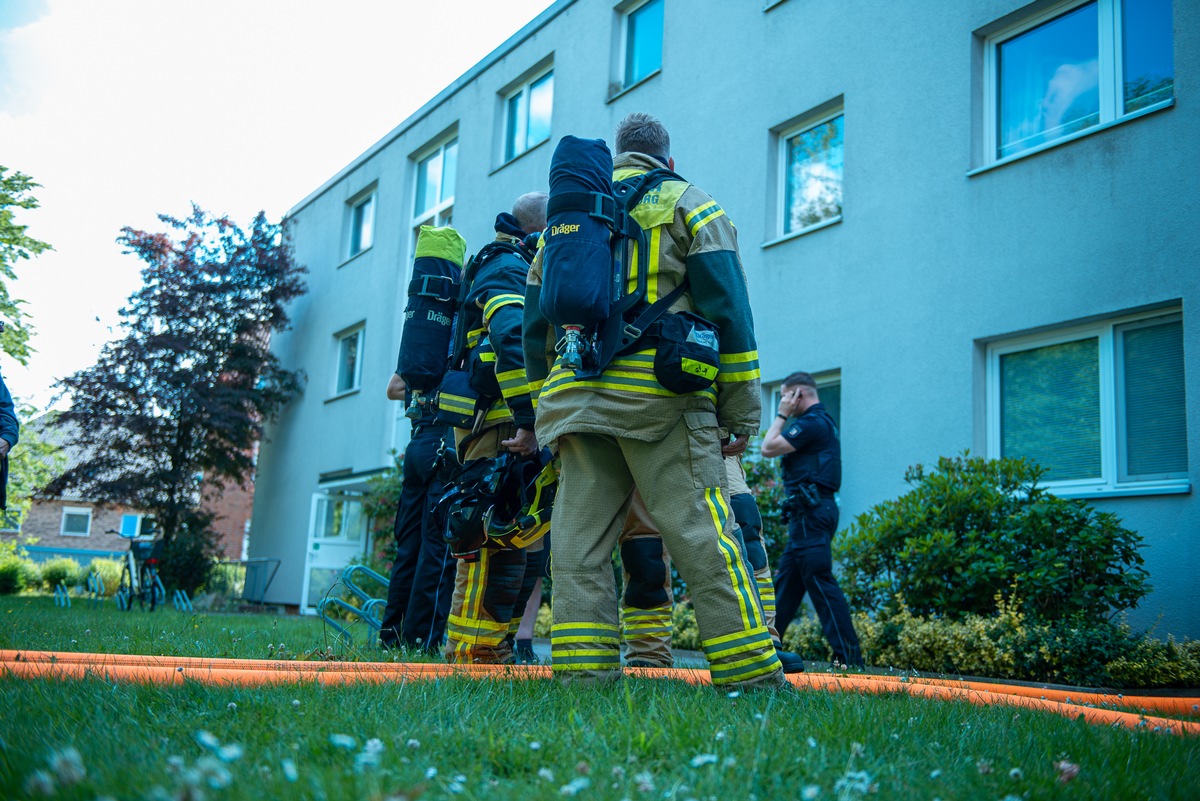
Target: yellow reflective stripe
<point x="747" y="363"/>
<point x="498" y="411"/>
<point x="456" y="403"/>
<point x="477" y="623"/>
<point x="725" y="639"/>
<point x="638" y="389"/>
<point x="736" y="358"/>
<point x="731" y="378"/>
<point x="652" y="276"/>
<point x="720" y="676"/>
<point x="703" y="215"/>
<point x="474" y="336"/>
<point x="733" y="562"/>
<point x="604" y="640"/>
<point x="499" y="302"/>
<point x="568" y="652"/>
<point x="487" y="356"/>
<point x="575" y="626"/>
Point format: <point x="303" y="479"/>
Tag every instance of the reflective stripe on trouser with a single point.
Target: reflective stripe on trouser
<point x="749" y="520"/>
<point x="681" y="479"/>
<point x="766" y="594"/>
<point x="485" y="593"/>
<point x="646" y="600"/>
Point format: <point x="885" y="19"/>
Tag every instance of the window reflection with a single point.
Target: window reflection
<point x="643" y="41"/>
<point x="1149" y="68"/>
<point x="813" y="192"/>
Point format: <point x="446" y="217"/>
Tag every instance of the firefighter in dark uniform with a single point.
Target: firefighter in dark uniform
<point x="806" y="437"/>
<point x="422" y="579"/>
<point x="492" y="587"/>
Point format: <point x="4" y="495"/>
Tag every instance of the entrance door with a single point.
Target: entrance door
<point x="337" y="535"/>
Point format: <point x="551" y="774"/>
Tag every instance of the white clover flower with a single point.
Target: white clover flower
<point x="213" y="773"/>
<point x="535" y="746"/>
<point x="413" y="743"/>
<point x="618" y="772"/>
<point x="1016" y="774"/>
<point x="546" y="774"/>
<point x="759" y="716"/>
<point x="935" y="774"/>
<point x="700" y="760"/>
<point x="295" y="703"/>
<point x="230" y="753"/>
<point x="573" y="787"/>
<point x="343" y="741"/>
<point x="232" y="707"/>
<point x="365" y="760"/>
<point x="430" y="773"/>
<point x="729" y="762"/>
<point x="39" y="783"/>
<point x="644" y="781"/>
<point x="208" y="740"/>
<point x="461" y="778"/>
<point x="455" y="787"/>
<point x="853" y="781"/>
<point x="289" y="770"/>
<point x="175" y="763"/>
<point x="373" y="746"/>
<point x="810" y="792"/>
<point x="984" y="767"/>
<point x="733" y="694"/>
<point x="812" y="742"/>
<point x="857" y="749"/>
<point x="720" y="735"/>
<point x="68" y="766"/>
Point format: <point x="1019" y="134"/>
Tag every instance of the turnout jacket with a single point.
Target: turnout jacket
<point x="689" y="236"/>
<point x="492" y="315"/>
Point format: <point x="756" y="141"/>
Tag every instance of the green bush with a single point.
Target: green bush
<point x="974" y="531"/>
<point x="189" y="557"/>
<point x="60" y="570"/>
<point x="32" y="573"/>
<point x="12" y="576"/>
<point x="110" y="574"/>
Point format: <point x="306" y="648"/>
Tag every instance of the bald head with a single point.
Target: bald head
<point x="530" y="211"/>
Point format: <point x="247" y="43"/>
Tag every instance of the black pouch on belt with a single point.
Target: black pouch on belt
<point x="687" y="358"/>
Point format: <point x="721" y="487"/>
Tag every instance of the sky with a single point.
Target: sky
<point x="126" y="109"/>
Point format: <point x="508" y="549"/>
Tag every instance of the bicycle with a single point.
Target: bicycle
<point x="139" y="575"/>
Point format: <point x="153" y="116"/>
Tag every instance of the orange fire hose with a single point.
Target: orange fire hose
<point x="251" y="672"/>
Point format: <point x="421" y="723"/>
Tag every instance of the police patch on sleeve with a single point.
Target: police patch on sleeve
<point x="793" y="432"/>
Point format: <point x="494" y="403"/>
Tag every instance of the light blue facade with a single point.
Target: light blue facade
<point x="938" y="255"/>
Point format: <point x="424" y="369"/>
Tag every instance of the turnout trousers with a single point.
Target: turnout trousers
<point x="422" y="578"/>
<point x="646" y="601"/>
<point x="489" y="593"/>
<point x="682" y="481"/>
<point x="807" y="567"/>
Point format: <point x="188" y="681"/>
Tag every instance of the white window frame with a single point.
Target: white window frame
<point x="781" y="232"/>
<point x="622" y="79"/>
<point x="359" y="331"/>
<point x="1111" y="55"/>
<point x="75" y="510"/>
<point x="352" y="206"/>
<point x="442" y="212"/>
<point x="523" y="87"/>
<point x="1109" y="483"/>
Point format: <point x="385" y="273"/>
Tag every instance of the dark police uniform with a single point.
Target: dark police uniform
<point x="807" y="561"/>
<point x="422" y="581"/>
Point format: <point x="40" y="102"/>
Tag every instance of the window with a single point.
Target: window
<point x="527" y="115"/>
<point x="1073" y="68"/>
<point x="349" y="361"/>
<point x="642" y="40"/>
<point x="76" y="521"/>
<point x="11" y="519"/>
<point x="137" y="526"/>
<point x="1101" y="407"/>
<point x="362" y="224"/>
<point x="434" y="203"/>
<point x="340" y="517"/>
<point x="813" y="165"/>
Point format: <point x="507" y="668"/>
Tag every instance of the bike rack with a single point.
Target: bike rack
<point x="181" y="601"/>
<point x="371" y="612"/>
<point x="95" y="588"/>
<point x="62" y="596"/>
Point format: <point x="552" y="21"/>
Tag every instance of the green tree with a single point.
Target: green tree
<point x="177" y="406"/>
<point x="32" y="464"/>
<point x="15" y="244"/>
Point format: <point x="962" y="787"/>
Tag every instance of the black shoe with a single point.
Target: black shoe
<point x="792" y="663"/>
<point x="524" y="653"/>
<point x="640" y="663"/>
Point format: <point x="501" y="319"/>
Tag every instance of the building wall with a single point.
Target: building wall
<point x="930" y="263"/>
<point x="232" y="506"/>
<point x="43" y="522"/>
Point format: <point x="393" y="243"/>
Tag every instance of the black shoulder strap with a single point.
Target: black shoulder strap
<point x="458" y="350"/>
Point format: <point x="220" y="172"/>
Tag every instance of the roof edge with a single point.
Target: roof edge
<point x="510" y="44"/>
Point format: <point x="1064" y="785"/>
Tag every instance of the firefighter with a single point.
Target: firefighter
<point x="492" y="585"/>
<point x="623" y="430"/>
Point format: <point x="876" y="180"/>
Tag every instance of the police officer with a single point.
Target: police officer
<point x="624" y="430"/>
<point x="9" y="430"/>
<point x="492" y="588"/>
<point x="806" y="437"/>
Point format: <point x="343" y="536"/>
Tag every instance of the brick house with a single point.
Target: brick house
<point x="81" y="529"/>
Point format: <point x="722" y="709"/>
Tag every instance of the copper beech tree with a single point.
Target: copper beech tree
<point x="176" y="407"/>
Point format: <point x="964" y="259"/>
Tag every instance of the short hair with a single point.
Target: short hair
<point x="530" y="211"/>
<point x="642" y="133"/>
<point x="800" y="379"/>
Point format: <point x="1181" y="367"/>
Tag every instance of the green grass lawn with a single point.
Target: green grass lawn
<point x="505" y="739"/>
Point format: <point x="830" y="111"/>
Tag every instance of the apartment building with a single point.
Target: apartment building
<point x="975" y="222"/>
